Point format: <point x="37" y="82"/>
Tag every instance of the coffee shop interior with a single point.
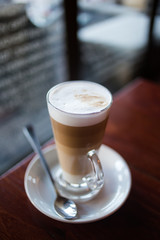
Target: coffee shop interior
<point x="43" y="43"/>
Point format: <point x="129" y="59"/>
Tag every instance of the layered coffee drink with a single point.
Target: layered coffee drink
<point x="79" y="112"/>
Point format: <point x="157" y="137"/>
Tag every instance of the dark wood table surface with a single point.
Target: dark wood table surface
<point x="134" y="131"/>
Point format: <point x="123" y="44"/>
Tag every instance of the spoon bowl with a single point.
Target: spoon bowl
<point x="64" y="207"/>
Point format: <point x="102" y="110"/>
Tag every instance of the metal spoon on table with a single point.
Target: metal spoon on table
<point x="65" y="208"/>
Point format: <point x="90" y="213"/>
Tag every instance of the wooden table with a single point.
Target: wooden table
<point x="134" y="131"/>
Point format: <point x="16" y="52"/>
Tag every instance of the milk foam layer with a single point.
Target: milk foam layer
<point x="78" y="103"/>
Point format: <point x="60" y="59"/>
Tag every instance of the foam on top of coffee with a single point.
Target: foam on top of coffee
<point x="76" y="100"/>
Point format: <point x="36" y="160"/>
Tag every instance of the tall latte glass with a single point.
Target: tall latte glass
<point x="79" y="112"/>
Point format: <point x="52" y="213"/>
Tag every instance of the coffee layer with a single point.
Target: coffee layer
<point x="73" y="161"/>
<point x="79" y="137"/>
<point x="73" y="144"/>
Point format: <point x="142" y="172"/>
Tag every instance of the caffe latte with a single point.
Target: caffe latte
<point x="79" y="112"/>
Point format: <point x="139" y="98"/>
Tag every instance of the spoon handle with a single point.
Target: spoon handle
<point x="33" y="140"/>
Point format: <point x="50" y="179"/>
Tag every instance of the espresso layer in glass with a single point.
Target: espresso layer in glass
<point x="73" y="143"/>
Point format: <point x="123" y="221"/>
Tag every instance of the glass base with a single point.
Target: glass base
<point x="77" y="192"/>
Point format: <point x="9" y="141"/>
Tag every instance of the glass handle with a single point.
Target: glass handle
<point x="96" y="180"/>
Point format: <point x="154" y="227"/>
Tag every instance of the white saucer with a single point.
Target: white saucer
<point x="114" y="193"/>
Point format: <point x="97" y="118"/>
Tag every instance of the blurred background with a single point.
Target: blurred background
<point x="43" y="43"/>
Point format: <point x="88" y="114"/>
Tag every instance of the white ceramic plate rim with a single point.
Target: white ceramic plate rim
<point x="54" y="216"/>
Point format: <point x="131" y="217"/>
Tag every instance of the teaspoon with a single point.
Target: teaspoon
<point x="65" y="208"/>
